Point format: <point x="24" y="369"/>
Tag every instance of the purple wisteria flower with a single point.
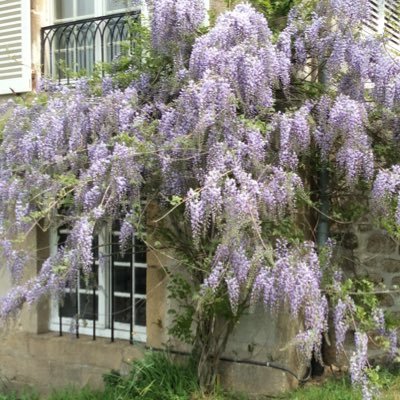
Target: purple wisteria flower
<point x="239" y="48"/>
<point x="386" y="188"/>
<point x="79" y="247"/>
<point x="223" y="125"/>
<point x="173" y="21"/>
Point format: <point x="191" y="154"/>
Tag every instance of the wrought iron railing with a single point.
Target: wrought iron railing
<point x="74" y="48"/>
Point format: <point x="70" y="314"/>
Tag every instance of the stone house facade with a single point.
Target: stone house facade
<point x="39" y="348"/>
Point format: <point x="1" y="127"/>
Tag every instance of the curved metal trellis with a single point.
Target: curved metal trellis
<point x="75" y="47"/>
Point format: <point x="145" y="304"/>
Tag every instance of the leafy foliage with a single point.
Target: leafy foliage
<point x="225" y="129"/>
<point x="154" y="377"/>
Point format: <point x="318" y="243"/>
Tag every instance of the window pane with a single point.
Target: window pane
<point x="68" y="305"/>
<point x="140" y="280"/>
<point x="140" y="251"/>
<point x="64" y="9"/>
<point x="85" y="7"/>
<point x="123" y="279"/>
<point x="116" y="4"/>
<point x="112" y="40"/>
<point x="140" y="312"/>
<point x="122" y="309"/>
<point x="116" y="252"/>
<point x="87" y="282"/>
<point x="84" y="61"/>
<point x="85" y="48"/>
<point x="95" y="245"/>
<point x="86" y="306"/>
<point x="62" y="238"/>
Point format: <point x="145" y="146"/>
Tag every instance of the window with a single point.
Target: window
<point x="67" y="10"/>
<point x="112" y="303"/>
<point x="84" y="33"/>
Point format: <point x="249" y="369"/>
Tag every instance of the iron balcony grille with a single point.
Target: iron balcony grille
<point x="74" y="48"/>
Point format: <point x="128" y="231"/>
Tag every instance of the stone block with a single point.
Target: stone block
<point x="92" y="376"/>
<point x="376" y="278"/>
<point x="34" y="372"/>
<point x="132" y="353"/>
<point x="350" y="241"/>
<point x="15" y="343"/>
<point x="364" y="227"/>
<point x="264" y="380"/>
<point x="391" y="265"/>
<point x="218" y="6"/>
<point x="372" y="263"/>
<point x="396" y="281"/>
<point x="100" y="353"/>
<point x="386" y="300"/>
<point x="64" y="374"/>
<point x="379" y="242"/>
<point x="8" y="366"/>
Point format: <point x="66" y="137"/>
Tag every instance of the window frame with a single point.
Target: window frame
<point x="103" y="327"/>
<point x="100" y="9"/>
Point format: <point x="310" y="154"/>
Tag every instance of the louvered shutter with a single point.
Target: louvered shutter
<point x="374" y="23"/>
<point x="392" y="23"/>
<point x="15" y="46"/>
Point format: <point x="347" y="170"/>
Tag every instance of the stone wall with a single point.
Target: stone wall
<point x="260" y="336"/>
<point x="47" y="361"/>
<point x="367" y="251"/>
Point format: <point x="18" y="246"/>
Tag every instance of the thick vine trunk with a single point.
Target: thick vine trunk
<point x="211" y="338"/>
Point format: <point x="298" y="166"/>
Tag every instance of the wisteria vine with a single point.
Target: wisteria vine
<point x="232" y="145"/>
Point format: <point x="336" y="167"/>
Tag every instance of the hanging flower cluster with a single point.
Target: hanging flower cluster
<point x="342" y="125"/>
<point x="239" y="48"/>
<point x="385" y="194"/>
<point x="63" y="155"/>
<point x="234" y="144"/>
<point x="174" y="24"/>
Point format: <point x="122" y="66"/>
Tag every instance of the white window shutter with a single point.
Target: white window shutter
<point x="15" y="46"/>
<point x="374" y="22"/>
<point x="392" y="23"/>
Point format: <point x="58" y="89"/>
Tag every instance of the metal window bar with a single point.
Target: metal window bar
<point x="112" y="297"/>
<point x="60" y="319"/>
<point x="94" y="302"/>
<point x="131" y="302"/>
<point x="77" y="313"/>
<point x="117" y="311"/>
<point x="117" y="259"/>
<point x="60" y="313"/>
<point x="87" y="35"/>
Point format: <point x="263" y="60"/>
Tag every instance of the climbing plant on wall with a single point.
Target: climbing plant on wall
<point x="227" y="129"/>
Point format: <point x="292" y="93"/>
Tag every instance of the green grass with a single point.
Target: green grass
<point x="79" y="394"/>
<point x="332" y="389"/>
<point x="157" y="377"/>
<point x="339" y="388"/>
<point x="28" y="395"/>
